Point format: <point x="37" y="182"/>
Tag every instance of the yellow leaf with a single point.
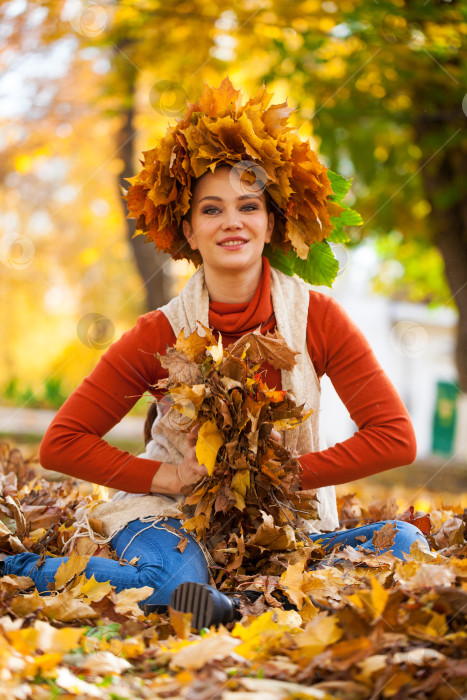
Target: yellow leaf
<point x="128" y="599"/>
<point x="379" y="596"/>
<point x="271" y="536"/>
<point x="66" y="608"/>
<point x="27" y="604"/>
<point x="261" y="624"/>
<point x="319" y="633"/>
<point x="373" y="600"/>
<point x="239" y="485"/>
<point x="47" y="662"/>
<point x="181" y="622"/>
<point x="216" y="352"/>
<point x="291" y="423"/>
<point x="183" y="394"/>
<point x="46" y="638"/>
<point x="291" y="581"/>
<point x="437" y="625"/>
<point x="208" y="444"/>
<point x="291" y="618"/>
<point x="192" y="345"/>
<point x="197" y="522"/>
<point x="75" y="564"/>
<point x="129" y="648"/>
<point x="263" y="634"/>
<point x="93" y="590"/>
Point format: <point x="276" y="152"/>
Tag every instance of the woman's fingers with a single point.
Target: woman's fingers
<point x="275" y="435"/>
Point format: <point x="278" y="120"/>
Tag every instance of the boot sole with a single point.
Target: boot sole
<point x="197" y="599"/>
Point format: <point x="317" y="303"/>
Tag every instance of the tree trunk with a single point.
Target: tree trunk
<point x="445" y="173"/>
<point x="152" y="265"/>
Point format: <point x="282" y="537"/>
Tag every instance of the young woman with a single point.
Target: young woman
<point x="225" y="223"/>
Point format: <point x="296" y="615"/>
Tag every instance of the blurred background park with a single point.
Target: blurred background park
<point x="379" y="90"/>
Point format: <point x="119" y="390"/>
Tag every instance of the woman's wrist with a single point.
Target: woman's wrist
<point x="166" y="480"/>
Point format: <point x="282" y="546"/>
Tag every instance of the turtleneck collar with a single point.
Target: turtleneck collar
<point x="238" y="319"/>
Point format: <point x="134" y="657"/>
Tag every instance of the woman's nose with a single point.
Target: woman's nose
<point x="232" y="220"/>
<point x="232" y="225"/>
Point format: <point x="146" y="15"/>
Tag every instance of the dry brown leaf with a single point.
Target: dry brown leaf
<point x="270" y="348"/>
<point x="385" y="509"/>
<point x="181" y="546"/>
<point x="66" y="608"/>
<point x="181" y="370"/>
<point x="181" y="622"/>
<point x="272" y="537"/>
<point x="384" y="537"/>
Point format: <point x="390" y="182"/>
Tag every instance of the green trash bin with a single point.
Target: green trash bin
<point x="444" y="418"/>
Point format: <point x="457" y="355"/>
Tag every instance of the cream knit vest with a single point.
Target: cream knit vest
<point x="290" y="299"/>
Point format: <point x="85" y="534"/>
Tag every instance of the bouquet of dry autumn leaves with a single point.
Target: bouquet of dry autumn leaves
<point x="250" y="506"/>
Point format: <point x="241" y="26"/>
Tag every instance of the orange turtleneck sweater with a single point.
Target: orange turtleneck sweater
<point x="385" y="438"/>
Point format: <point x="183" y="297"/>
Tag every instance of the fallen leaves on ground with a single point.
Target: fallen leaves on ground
<point x="393" y="629"/>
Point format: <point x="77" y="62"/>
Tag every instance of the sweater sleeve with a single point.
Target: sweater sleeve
<point x="385" y="438"/>
<point x="73" y="442"/>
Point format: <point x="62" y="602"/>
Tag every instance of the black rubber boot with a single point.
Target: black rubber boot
<point x="208" y="605"/>
<point x="211" y="607"/>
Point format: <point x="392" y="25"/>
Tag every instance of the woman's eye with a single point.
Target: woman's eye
<point x="208" y="210"/>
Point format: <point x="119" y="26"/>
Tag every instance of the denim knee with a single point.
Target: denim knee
<point x="164" y="580"/>
<point x="407" y="528"/>
<point x="407" y="534"/>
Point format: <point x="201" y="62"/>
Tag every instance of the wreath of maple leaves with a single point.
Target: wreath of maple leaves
<point x="219" y="130"/>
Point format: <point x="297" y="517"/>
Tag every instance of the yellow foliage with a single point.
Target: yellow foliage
<point x="128" y="599"/>
<point x="240" y="484"/>
<point x="208" y="444"/>
<point x="373" y="600"/>
<point x="216" y="352"/>
<point x="44" y="637"/>
<point x="68" y="569"/>
<point x="263" y="634"/>
<point x="319" y="633"/>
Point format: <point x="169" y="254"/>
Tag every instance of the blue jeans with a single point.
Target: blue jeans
<point x="405" y="536"/>
<point x="163" y="567"/>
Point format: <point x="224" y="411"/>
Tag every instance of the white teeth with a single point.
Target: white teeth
<point x="232" y="243"/>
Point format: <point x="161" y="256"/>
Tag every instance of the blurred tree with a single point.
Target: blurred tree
<point x="383" y="84"/>
<point x="379" y="85"/>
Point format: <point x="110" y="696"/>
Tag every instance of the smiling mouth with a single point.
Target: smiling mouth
<point x="232" y="242"/>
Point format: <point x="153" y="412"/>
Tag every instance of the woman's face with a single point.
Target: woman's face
<point x="229" y="221"/>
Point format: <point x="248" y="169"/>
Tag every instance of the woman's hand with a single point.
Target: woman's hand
<point x="190" y="471"/>
<point x="171" y="478"/>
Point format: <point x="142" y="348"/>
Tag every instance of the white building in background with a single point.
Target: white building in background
<point x="415" y="346"/>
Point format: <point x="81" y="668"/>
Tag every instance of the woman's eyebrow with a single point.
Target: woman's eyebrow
<point x="242" y="196"/>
